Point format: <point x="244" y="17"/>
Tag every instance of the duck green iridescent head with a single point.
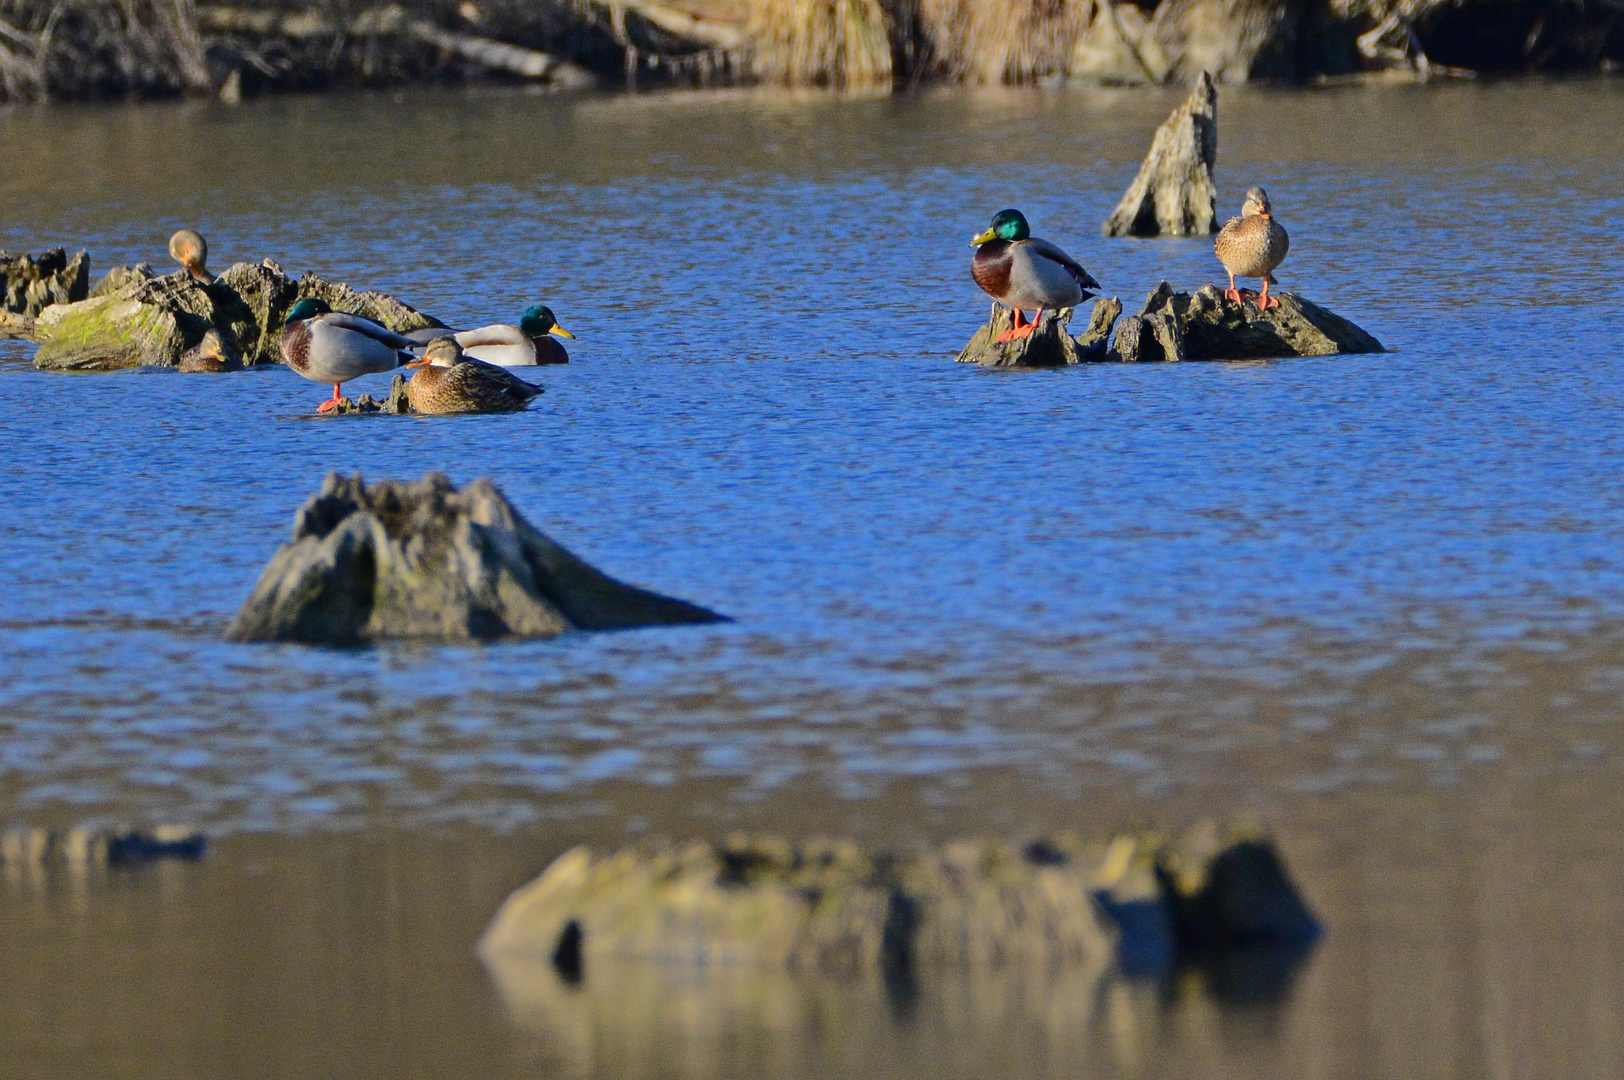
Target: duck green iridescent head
<point x="1006" y="225"/>
<point x="538" y="321"/>
<point x="308" y="308"/>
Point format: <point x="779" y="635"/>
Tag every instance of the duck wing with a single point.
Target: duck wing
<point x="479" y="376"/>
<point x="495" y="334"/>
<point x="1054" y="254"/>
<point x="429" y="333"/>
<point x="344" y="320"/>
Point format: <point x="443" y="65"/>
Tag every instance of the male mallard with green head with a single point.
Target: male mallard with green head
<point x="1252" y="245"/>
<point x="506" y="345"/>
<point x="188" y="248"/>
<point x="330" y="346"/>
<point x="1020" y="271"/>
<point x="451" y="382"/>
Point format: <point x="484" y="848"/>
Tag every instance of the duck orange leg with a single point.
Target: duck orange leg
<point x="331" y="403"/>
<point x="1265" y="301"/>
<point x="1233" y="293"/>
<point x="1026" y="331"/>
<point x="1014" y="331"/>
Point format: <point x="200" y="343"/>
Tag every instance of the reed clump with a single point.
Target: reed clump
<point x="841" y="44"/>
<point x="1001" y="41"/>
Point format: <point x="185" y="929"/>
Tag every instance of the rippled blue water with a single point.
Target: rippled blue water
<point x="932" y="567"/>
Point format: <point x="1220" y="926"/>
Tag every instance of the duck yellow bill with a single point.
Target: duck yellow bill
<point x="983" y="238"/>
<point x="559" y="331"/>
<point x="419" y="362"/>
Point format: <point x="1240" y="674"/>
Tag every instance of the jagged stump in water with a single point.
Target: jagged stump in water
<point x="1174" y="194"/>
<point x="369" y="562"/>
<point x="1050" y="345"/>
<point x="31" y="283"/>
<point x="1209" y="326"/>
<point x="137" y="319"/>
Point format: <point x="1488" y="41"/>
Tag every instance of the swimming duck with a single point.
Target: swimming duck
<point x="1020" y="271"/>
<point x="505" y="345"/>
<point x="330" y="346"/>
<point x="188" y="248"/>
<point x="449" y="382"/>
<point x="1252" y="245"/>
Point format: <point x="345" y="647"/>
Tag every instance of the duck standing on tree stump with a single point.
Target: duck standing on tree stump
<point x="1252" y="245"/>
<point x="188" y="248"/>
<point x="328" y="346"/>
<point x="1020" y="271"/>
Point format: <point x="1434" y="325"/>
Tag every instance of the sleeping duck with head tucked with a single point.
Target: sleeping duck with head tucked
<point x="1022" y="272"/>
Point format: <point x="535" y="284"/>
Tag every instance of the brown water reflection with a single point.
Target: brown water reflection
<point x="1473" y="933"/>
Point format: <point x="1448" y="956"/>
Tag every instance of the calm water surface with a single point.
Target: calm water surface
<point x="1376" y="601"/>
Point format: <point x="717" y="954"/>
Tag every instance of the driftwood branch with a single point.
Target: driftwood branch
<point x="394" y="21"/>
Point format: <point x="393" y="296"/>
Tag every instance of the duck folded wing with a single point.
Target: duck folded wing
<point x="429" y="333"/>
<point x="345" y="321"/>
<point x="1053" y="254"/>
<point x="496" y="334"/>
<point x="495" y="379"/>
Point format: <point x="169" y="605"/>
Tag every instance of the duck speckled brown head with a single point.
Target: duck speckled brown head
<point x="1256" y="204"/>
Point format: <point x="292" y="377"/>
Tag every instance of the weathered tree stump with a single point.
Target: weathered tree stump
<point x="136" y="319"/>
<point x="371" y="562"/>
<point x="1174" y="194"/>
<point x="833" y="907"/>
<point x="1050" y="345"/>
<point x="1213" y="327"/>
<point x="31" y="283"/>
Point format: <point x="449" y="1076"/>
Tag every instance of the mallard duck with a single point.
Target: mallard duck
<point x="188" y="248"/>
<point x="1020" y="271"/>
<point x="1252" y="245"/>
<point x="507" y="345"/>
<point x="330" y="346"/>
<point x="210" y="354"/>
<point x="452" y="382"/>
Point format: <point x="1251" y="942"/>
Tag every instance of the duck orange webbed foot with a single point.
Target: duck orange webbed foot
<point x="1235" y="295"/>
<point x="1267" y="302"/>
<point x="327" y="406"/>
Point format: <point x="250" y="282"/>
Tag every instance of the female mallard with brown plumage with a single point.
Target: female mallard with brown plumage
<point x="1020" y="271"/>
<point x="1252" y="245"/>
<point x="188" y="248"/>
<point x="449" y="382"/>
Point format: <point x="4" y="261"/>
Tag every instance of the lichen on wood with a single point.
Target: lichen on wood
<point x="1173" y="193"/>
<point x="136" y="319"/>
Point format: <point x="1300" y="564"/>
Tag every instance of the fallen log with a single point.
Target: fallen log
<point x="1212" y="327"/>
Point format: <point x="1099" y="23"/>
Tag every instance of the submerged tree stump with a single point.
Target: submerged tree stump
<point x="31" y="283"/>
<point x="1174" y="194"/>
<point x="833" y="907"/>
<point x="136" y="319"/>
<point x="371" y="562"/>
<point x="1212" y="327"/>
<point x="1050" y="345"/>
